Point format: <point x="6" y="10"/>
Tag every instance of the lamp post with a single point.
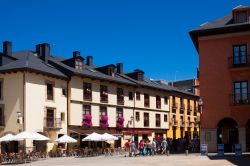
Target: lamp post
<point x="200" y="104"/>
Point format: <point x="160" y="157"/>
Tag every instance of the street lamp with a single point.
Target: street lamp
<point x="200" y="104"/>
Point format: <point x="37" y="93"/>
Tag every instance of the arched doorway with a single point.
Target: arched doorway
<point x="227" y="133"/>
<point x="248" y="136"/>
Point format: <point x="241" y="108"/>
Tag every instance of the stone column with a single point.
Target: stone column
<point x="242" y="138"/>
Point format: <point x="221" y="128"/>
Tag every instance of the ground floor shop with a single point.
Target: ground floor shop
<point x="183" y="132"/>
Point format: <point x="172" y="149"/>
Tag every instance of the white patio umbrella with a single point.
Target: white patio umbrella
<point x="25" y="135"/>
<point x="66" y="139"/>
<point x="40" y="137"/>
<point x="108" y="137"/>
<point x="93" y="137"/>
<point x="7" y="137"/>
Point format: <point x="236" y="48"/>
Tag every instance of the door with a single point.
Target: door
<point x="50" y="118"/>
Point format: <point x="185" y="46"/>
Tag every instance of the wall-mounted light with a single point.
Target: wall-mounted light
<point x="19" y="117"/>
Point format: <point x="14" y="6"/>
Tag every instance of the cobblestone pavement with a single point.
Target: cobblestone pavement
<point x="173" y="160"/>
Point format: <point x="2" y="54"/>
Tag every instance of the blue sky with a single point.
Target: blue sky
<point x="151" y="35"/>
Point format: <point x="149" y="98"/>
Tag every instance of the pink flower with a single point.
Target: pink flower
<point x="104" y="125"/>
<point x="87" y="124"/>
<point x="104" y="118"/>
<point x="121" y="119"/>
<point x="120" y="125"/>
<point x="87" y="117"/>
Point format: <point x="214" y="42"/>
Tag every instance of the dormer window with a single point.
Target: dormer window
<point x="111" y="71"/>
<point x="140" y="76"/>
<point x="78" y="64"/>
<point x="241" y="17"/>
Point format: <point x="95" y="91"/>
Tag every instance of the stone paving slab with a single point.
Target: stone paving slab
<point x="173" y="160"/>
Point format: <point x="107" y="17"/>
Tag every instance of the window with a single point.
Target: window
<point x="104" y="93"/>
<point x="158" y="102"/>
<point x="64" y="92"/>
<point x="2" y="122"/>
<point x="86" y="110"/>
<point x="62" y="116"/>
<point x="50" y="91"/>
<point x="241" y="17"/>
<point x="111" y="71"/>
<point x="103" y="111"/>
<point x="157" y="120"/>
<point x="119" y="113"/>
<point x="182" y="103"/>
<point x="146" y="119"/>
<point x="78" y="64"/>
<point x="1" y="89"/>
<point x="166" y="99"/>
<point x="137" y="116"/>
<point x="165" y="118"/>
<point x="120" y="96"/>
<point x="138" y="96"/>
<point x="240" y="54"/>
<point x="146" y="100"/>
<point x="130" y="96"/>
<point x="87" y="91"/>
<point x="241" y="95"/>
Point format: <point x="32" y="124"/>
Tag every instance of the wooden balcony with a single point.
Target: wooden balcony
<point x="53" y="124"/>
<point x="87" y="95"/>
<point x="104" y="98"/>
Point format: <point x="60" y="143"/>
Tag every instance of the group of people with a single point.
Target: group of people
<point x="163" y="146"/>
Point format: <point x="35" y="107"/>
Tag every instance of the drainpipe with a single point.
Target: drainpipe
<point x="24" y="99"/>
<point x="68" y="105"/>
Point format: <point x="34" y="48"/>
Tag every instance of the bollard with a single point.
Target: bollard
<point x="186" y="152"/>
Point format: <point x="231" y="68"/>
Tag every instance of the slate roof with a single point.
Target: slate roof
<point x="26" y="60"/>
<point x="222" y="25"/>
<point x="89" y="71"/>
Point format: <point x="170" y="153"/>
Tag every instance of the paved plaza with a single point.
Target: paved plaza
<point x="175" y="160"/>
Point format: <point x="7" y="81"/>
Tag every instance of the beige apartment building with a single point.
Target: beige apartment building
<point x="55" y="96"/>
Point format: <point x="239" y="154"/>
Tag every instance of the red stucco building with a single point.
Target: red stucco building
<point x="224" y="64"/>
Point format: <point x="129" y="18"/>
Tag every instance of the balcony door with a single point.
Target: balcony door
<point x="50" y="118"/>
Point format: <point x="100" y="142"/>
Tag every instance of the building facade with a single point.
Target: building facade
<point x="224" y="77"/>
<point x="54" y="96"/>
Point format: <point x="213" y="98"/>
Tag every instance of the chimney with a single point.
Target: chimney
<point x="90" y="60"/>
<point x="7" y="48"/>
<point x="119" y="67"/>
<point x="45" y="52"/>
<point x="76" y="54"/>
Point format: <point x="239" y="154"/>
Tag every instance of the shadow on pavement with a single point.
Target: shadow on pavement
<point x="243" y="160"/>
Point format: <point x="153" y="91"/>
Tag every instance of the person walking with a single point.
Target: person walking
<point x="164" y="146"/>
<point x="132" y="149"/>
<point x="127" y="148"/>
<point x="154" y="148"/>
<point x="148" y="148"/>
<point x="141" y="147"/>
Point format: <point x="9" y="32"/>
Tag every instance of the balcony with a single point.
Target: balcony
<point x="104" y="97"/>
<point x="146" y="103"/>
<point x="174" y="123"/>
<point x="239" y="62"/>
<point x="182" y="123"/>
<point x="182" y="107"/>
<point x="87" y="95"/>
<point x="239" y="99"/>
<point x="158" y="104"/>
<point x="120" y="100"/>
<point x="190" y="124"/>
<point x="196" y="124"/>
<point x="189" y="110"/>
<point x="174" y="105"/>
<point x="52" y="123"/>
